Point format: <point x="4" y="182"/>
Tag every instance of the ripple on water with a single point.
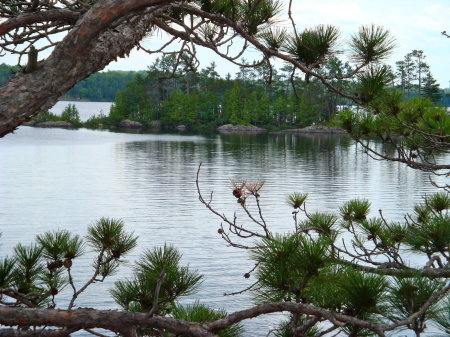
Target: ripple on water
<point x="52" y="178"/>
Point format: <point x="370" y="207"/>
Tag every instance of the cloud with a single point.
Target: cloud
<point x="330" y="12"/>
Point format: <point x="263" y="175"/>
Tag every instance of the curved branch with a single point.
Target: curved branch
<point x="37" y="17"/>
<point x="117" y="321"/>
<point x="21" y="298"/>
<point x="410" y="272"/>
<point x="261" y="47"/>
<point x="76" y="57"/>
<point x="428" y="167"/>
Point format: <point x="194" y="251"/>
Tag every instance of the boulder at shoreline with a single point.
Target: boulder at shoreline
<point x="155" y="125"/>
<point x="230" y="128"/>
<point x="316" y="129"/>
<point x="56" y="124"/>
<point x="128" y="124"/>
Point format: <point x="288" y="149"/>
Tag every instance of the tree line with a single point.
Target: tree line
<point x="258" y="95"/>
<point x="99" y="87"/>
<point x="415" y="78"/>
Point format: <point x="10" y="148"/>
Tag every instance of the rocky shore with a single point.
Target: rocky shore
<point x="227" y="128"/>
<point x="55" y="124"/>
<point x="129" y="124"/>
<point x="230" y="128"/>
<point x="314" y="129"/>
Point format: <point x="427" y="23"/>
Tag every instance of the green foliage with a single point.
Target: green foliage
<point x="97" y="121"/>
<point x="6" y="272"/>
<point x="101" y="86"/>
<point x="421" y="127"/>
<point x="323" y="223"/>
<point x="161" y="268"/>
<point x="431" y="88"/>
<point x="28" y="267"/>
<point x="45" y="117"/>
<point x="296" y="199"/>
<point x="313" y="46"/>
<point x="70" y="114"/>
<point x="363" y="293"/>
<point x="385" y="234"/>
<point x="274" y="38"/>
<point x="7" y="72"/>
<point x="259" y="95"/>
<point x="363" y="296"/>
<point x="408" y="295"/>
<point x="60" y="245"/>
<point x="430" y="237"/>
<point x="442" y="317"/>
<point x="415" y="78"/>
<point x="201" y="313"/>
<point x="324" y="290"/>
<point x="258" y="12"/>
<point x="372" y="44"/>
<point x="287" y="263"/>
<point x="438" y="202"/>
<point x="285" y="329"/>
<point x="373" y="82"/>
<point x="179" y="281"/>
<point x="355" y="210"/>
<point x="39" y="271"/>
<point x="108" y="235"/>
<point x="52" y="281"/>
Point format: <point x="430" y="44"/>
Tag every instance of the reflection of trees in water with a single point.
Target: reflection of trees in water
<point x="332" y="158"/>
<point x="272" y="150"/>
<point x="238" y="148"/>
<point x="299" y="144"/>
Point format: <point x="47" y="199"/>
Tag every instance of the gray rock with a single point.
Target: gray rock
<point x="128" y="124"/>
<point x="181" y="127"/>
<point x="57" y="124"/>
<point x="156" y="125"/>
<point x="230" y="128"/>
<point x="317" y="129"/>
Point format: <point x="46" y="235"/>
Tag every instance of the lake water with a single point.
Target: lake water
<point x="86" y="109"/>
<point x="66" y="179"/>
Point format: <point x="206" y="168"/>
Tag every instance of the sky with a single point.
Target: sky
<point x="415" y="24"/>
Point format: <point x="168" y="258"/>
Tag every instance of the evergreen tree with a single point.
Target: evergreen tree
<point x="431" y="88"/>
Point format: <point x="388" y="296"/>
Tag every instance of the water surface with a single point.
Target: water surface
<point x="55" y="178"/>
<point x="85" y="109"/>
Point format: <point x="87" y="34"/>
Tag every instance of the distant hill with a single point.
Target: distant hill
<point x="445" y="100"/>
<point x="99" y="87"/>
<point x="102" y="86"/>
<point x="6" y="72"/>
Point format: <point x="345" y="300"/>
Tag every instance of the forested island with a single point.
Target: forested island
<point x="258" y="95"/>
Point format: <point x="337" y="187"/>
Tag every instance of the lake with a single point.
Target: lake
<point x="86" y="109"/>
<point x="66" y="179"/>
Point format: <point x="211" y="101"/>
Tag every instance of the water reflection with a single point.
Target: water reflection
<point x="66" y="179"/>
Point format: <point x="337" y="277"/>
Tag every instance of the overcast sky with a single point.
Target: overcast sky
<point x="416" y="24"/>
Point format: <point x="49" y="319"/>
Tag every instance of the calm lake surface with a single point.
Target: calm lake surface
<point x="66" y="179"/>
<point x="86" y="109"/>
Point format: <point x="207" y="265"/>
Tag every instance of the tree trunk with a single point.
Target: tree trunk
<point x="86" y="49"/>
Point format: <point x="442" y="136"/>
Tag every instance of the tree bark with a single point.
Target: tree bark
<point x="119" y="322"/>
<point x="116" y="321"/>
<point x="87" y="48"/>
